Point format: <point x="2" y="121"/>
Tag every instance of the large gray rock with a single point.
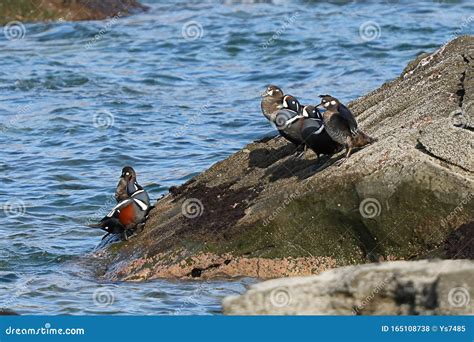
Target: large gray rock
<point x="264" y="213"/>
<point x="390" y="288"/>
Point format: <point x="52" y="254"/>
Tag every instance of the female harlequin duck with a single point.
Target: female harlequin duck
<point x="314" y="133"/>
<point x="341" y="125"/>
<point x="272" y="100"/>
<point x="283" y="111"/>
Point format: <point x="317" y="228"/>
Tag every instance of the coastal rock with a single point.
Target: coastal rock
<point x="264" y="213"/>
<point x="7" y="312"/>
<point x="68" y="10"/>
<point x="390" y="288"/>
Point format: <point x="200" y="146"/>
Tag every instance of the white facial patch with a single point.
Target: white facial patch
<point x="326" y="104"/>
<point x="333" y="102"/>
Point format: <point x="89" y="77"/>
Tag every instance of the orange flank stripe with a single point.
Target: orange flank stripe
<point x="127" y="214"/>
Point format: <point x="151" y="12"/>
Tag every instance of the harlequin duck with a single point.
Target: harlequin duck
<point x="279" y="109"/>
<point x="124" y="217"/>
<point x="132" y="208"/>
<point x="272" y="100"/>
<point x="341" y="125"/>
<point x="288" y="120"/>
<point x="127" y="184"/>
<point x="314" y="133"/>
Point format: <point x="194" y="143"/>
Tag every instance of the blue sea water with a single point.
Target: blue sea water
<point x="170" y="92"/>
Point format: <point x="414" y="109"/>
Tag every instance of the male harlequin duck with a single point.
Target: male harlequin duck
<point x="289" y="119"/>
<point x="127" y="184"/>
<point x="132" y="208"/>
<point x="341" y="125"/>
<point x="314" y="133"/>
<point x="280" y="110"/>
<point x="124" y="217"/>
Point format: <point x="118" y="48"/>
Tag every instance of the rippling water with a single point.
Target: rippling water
<point x="170" y="92"/>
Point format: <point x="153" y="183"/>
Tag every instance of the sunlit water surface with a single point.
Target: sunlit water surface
<point x="80" y="100"/>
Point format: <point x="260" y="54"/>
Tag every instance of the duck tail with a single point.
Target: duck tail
<point x="362" y="139"/>
<point x="94" y="225"/>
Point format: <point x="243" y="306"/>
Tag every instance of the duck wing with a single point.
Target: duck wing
<point x="347" y="115"/>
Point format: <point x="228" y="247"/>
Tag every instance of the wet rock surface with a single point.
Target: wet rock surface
<point x="390" y="288"/>
<point x="263" y="212"/>
<point x="68" y="10"/>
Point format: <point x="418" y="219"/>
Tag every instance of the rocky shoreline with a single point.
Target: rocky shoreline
<point x="67" y="10"/>
<point x="263" y="213"/>
<point x="391" y="288"/>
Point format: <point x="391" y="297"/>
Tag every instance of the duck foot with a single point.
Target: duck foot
<point x="139" y="228"/>
<point x="340" y="162"/>
<point x="299" y="154"/>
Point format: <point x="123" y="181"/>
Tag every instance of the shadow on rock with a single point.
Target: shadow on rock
<point x="264" y="157"/>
